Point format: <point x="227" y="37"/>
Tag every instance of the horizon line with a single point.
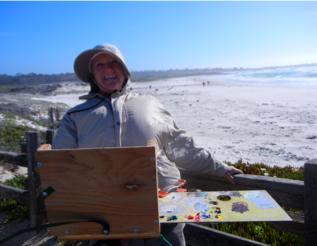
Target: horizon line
<point x="175" y="69"/>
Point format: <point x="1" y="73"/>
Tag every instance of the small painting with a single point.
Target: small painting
<point x="220" y="206"/>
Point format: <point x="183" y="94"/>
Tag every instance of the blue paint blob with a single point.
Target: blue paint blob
<point x="205" y="216"/>
<point x="173" y="217"/>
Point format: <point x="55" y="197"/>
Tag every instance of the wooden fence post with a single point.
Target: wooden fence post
<point x="33" y="142"/>
<point x="310" y="200"/>
<point x="49" y="136"/>
<point x="54" y="117"/>
<point x="51" y="117"/>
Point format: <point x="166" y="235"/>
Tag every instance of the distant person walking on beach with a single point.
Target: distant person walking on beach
<point x="111" y="116"/>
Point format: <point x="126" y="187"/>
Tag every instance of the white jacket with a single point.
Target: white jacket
<point x="130" y="119"/>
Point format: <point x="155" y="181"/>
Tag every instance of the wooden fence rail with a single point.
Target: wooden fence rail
<point x="287" y="192"/>
<point x="19" y="159"/>
<point x="299" y="196"/>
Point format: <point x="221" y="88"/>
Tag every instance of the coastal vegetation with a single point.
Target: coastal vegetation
<point x="10" y="207"/>
<point x="261" y="231"/>
<point x="35" y="79"/>
<point x="11" y="134"/>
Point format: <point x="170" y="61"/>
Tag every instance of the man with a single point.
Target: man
<point x="113" y="117"/>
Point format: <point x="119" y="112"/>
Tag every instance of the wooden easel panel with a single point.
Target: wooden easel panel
<point x="115" y="184"/>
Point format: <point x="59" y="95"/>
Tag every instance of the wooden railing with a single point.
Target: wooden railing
<point x="299" y="198"/>
<point x="27" y="159"/>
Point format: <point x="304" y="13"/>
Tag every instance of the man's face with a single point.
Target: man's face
<point x="108" y="74"/>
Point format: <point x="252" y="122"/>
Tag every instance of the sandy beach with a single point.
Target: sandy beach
<point x="254" y="119"/>
<point x="271" y="124"/>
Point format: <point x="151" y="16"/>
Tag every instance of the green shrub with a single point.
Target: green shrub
<point x="11" y="134"/>
<point x="287" y="172"/>
<point x="11" y="207"/>
<point x="261" y="232"/>
<point x="13" y="210"/>
<point x="19" y="181"/>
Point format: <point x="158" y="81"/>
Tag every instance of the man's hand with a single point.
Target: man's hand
<point x="230" y="172"/>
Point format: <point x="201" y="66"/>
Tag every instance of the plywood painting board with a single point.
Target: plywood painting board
<point x="224" y="206"/>
<point x="118" y="185"/>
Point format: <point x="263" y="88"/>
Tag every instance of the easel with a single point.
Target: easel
<point x="103" y="193"/>
<point x="111" y="193"/>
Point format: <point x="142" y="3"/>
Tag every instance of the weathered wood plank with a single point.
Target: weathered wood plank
<point x="296" y="226"/>
<point x="271" y="183"/>
<point x="14" y="158"/>
<point x="8" y="191"/>
<point x="117" y="185"/>
<point x="288" y="193"/>
<point x="202" y="235"/>
<point x="310" y="176"/>
<point x="36" y="216"/>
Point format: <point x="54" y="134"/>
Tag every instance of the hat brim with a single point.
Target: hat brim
<point x="82" y="63"/>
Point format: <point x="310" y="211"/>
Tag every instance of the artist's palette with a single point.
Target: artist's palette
<point x="225" y="206"/>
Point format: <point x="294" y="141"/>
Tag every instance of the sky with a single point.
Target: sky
<point x="46" y="37"/>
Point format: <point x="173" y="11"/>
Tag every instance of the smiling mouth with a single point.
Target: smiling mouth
<point x="109" y="78"/>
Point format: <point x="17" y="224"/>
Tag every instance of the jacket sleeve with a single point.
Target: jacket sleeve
<point x="180" y="148"/>
<point x="66" y="136"/>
